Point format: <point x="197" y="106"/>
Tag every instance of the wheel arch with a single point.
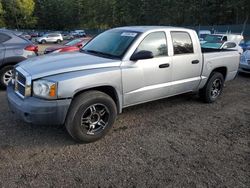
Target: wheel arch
<point x="109" y="90"/>
<point x="223" y="70"/>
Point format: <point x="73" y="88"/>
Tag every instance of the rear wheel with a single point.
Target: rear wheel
<point x="6" y="74"/>
<point x="91" y="116"/>
<point x="213" y="89"/>
<point x="58" y="41"/>
<point x="43" y="41"/>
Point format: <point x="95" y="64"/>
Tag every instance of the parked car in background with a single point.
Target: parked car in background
<point x="67" y="36"/>
<point x="41" y="33"/>
<point x="34" y="34"/>
<point x="203" y="33"/>
<point x="13" y="49"/>
<point x="26" y="36"/>
<point x="119" y="68"/>
<point x="223" y="38"/>
<point x="71" y="46"/>
<point x="50" y="38"/>
<point x="245" y="45"/>
<point x="245" y="62"/>
<point x="222" y="45"/>
<point x="79" y="33"/>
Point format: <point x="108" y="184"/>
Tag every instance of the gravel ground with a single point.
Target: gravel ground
<point x="175" y="142"/>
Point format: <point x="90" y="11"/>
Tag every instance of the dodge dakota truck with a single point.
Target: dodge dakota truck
<point x="119" y="68"/>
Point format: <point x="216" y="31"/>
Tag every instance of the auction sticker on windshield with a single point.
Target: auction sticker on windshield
<point x="128" y="34"/>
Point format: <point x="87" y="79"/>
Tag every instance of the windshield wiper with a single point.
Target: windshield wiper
<point x="100" y="53"/>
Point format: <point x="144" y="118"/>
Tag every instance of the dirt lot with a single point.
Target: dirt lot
<point x="176" y="142"/>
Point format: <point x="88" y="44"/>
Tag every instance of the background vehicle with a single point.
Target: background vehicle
<point x="67" y="35"/>
<point x="79" y="33"/>
<point x="13" y="49"/>
<point x="34" y="34"/>
<point x="71" y="46"/>
<point x="223" y="45"/>
<point x="50" y="38"/>
<point x="119" y="68"/>
<point x="203" y="33"/>
<point x="237" y="38"/>
<point x="245" y="62"/>
<point x="245" y="45"/>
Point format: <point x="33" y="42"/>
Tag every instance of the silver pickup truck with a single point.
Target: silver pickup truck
<point x="119" y="68"/>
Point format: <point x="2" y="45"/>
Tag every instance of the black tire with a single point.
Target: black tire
<point x="43" y="41"/>
<point x="58" y="41"/>
<point x="3" y="77"/>
<point x="82" y="105"/>
<point x="207" y="93"/>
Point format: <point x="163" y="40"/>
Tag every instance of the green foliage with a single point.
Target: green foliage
<point x="102" y="14"/>
<point x="19" y="13"/>
<point x="2" y="24"/>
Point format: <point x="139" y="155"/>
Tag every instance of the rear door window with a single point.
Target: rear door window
<point x="4" y="38"/>
<point x="182" y="43"/>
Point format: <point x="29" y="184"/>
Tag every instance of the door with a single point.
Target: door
<point x="148" y="79"/>
<point x="2" y="52"/>
<point x="50" y="38"/>
<point x="187" y="62"/>
<point x="3" y="38"/>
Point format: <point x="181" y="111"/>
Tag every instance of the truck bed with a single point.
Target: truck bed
<point x="211" y="50"/>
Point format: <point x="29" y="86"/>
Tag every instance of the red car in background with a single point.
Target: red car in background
<point x="71" y="46"/>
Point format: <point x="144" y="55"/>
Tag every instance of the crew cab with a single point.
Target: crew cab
<point x="119" y="68"/>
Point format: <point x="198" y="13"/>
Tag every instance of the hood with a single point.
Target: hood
<point x="52" y="64"/>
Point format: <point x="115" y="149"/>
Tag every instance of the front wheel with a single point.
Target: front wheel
<point x="213" y="89"/>
<point x="6" y="74"/>
<point x="91" y="116"/>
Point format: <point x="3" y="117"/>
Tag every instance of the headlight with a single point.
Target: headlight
<point x="242" y="59"/>
<point x="45" y="89"/>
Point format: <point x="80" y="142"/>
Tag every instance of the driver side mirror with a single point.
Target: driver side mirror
<point x="142" y="55"/>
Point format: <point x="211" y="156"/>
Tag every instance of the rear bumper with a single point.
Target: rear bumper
<point x="38" y="111"/>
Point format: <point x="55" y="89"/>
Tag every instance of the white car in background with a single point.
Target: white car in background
<point x="245" y="62"/>
<point x="50" y="38"/>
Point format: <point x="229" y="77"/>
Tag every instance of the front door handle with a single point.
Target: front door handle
<point x="195" y="61"/>
<point x="162" y="66"/>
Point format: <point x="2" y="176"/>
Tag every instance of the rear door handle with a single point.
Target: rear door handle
<point x="162" y="66"/>
<point x="195" y="61"/>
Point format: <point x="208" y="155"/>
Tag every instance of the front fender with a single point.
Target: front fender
<point x="72" y="83"/>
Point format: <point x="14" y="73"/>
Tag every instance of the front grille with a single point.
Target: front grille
<point x="20" y="89"/>
<point x="21" y="78"/>
<point x="20" y="82"/>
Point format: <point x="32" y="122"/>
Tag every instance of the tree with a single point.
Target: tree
<point x="2" y="24"/>
<point x="19" y="13"/>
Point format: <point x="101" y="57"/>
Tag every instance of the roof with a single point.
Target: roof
<point x="146" y="28"/>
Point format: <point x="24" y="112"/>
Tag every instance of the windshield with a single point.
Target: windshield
<point x="215" y="45"/>
<point x="73" y="42"/>
<point x="113" y="43"/>
<point x="213" y="38"/>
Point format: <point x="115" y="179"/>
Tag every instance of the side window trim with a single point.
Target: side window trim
<point x="152" y="33"/>
<point x="7" y="37"/>
<point x="173" y="42"/>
